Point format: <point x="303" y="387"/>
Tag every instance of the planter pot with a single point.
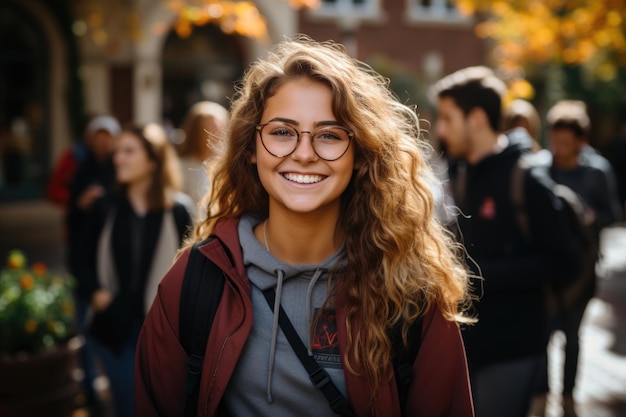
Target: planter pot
<point x="41" y="385"/>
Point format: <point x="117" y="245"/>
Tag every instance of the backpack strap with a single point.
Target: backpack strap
<point x="202" y="288"/>
<point x="518" y="197"/>
<point x="404" y="357"/>
<point x="182" y="220"/>
<point x="318" y="375"/>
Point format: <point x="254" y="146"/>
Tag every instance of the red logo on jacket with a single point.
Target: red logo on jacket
<point x="487" y="209"/>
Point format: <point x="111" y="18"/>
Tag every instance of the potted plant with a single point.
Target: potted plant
<point x="38" y="343"/>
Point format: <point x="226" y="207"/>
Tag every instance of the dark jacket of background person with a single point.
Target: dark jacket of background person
<point x="592" y="185"/>
<point x="89" y="172"/>
<point x="608" y="209"/>
<point x="120" y="252"/>
<point x="447" y="394"/>
<point x="94" y="170"/>
<point x="617" y="157"/>
<point x="515" y="272"/>
<point x="592" y="179"/>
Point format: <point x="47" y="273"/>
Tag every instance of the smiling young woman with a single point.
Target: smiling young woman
<point x="323" y="199"/>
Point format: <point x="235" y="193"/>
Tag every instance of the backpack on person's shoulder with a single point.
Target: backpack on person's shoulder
<point x="579" y="238"/>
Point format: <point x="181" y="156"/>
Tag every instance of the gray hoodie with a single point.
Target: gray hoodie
<point x="269" y="379"/>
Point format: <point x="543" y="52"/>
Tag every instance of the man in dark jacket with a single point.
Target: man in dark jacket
<point x="575" y="164"/>
<point x="511" y="270"/>
<point x="93" y="178"/>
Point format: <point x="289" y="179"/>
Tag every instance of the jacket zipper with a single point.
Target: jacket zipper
<point x="226" y="339"/>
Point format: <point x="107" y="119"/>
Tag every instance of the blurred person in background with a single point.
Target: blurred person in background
<point x="617" y="157"/>
<point x="128" y="243"/>
<point x="94" y="176"/>
<point x="506" y="345"/>
<point x="571" y="165"/>
<point x="202" y="131"/>
<point x="81" y="175"/>
<point x="522" y="113"/>
<point x="62" y="175"/>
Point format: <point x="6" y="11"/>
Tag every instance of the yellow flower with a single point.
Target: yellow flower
<point x="36" y="308"/>
<point x="16" y="260"/>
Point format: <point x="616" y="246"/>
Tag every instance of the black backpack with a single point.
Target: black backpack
<point x="203" y="284"/>
<point x="583" y="239"/>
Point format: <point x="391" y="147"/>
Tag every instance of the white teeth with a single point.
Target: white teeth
<point x="303" y="179"/>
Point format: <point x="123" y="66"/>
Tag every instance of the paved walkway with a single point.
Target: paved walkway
<point x="601" y="381"/>
<point x="36" y="228"/>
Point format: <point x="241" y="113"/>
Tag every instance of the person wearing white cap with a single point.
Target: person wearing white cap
<point x="93" y="179"/>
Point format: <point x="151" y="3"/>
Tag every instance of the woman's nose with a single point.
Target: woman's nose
<point x="304" y="149"/>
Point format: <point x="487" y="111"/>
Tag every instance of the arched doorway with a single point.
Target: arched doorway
<point x="24" y="140"/>
<point x="203" y="66"/>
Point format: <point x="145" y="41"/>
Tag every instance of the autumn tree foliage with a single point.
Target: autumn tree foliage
<point x="565" y="32"/>
<point x="239" y="16"/>
<point x="553" y="49"/>
<point x="589" y="33"/>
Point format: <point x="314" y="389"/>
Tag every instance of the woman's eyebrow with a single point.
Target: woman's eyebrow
<point x="296" y="123"/>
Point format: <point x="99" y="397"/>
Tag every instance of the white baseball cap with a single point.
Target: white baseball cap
<point x="108" y="123"/>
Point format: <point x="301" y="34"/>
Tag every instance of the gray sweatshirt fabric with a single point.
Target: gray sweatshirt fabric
<point x="269" y="379"/>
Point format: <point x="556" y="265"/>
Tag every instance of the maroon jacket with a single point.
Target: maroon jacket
<point x="440" y="385"/>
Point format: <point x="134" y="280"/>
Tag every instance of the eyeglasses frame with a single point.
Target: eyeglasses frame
<point x="299" y="133"/>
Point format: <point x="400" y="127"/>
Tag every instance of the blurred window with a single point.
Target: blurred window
<point x="349" y="9"/>
<point x="435" y="11"/>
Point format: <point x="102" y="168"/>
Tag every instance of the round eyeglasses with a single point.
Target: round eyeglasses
<point x="329" y="142"/>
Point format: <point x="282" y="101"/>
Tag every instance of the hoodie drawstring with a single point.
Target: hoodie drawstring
<point x="279" y="287"/>
<point x="309" y="313"/>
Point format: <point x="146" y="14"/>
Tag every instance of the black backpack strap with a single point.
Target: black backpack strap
<point x="404" y="357"/>
<point x="182" y="220"/>
<point x="320" y="378"/>
<point x="518" y="197"/>
<point x="202" y="288"/>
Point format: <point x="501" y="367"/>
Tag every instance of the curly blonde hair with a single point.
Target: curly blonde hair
<point x="401" y="260"/>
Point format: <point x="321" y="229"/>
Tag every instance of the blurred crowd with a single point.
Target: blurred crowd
<point x="132" y="194"/>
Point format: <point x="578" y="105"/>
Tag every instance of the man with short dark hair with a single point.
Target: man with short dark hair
<point x="507" y="343"/>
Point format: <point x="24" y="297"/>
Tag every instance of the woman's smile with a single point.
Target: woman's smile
<point x="303" y="178"/>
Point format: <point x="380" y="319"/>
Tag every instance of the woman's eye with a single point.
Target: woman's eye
<point x="283" y="132"/>
<point x="328" y="135"/>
